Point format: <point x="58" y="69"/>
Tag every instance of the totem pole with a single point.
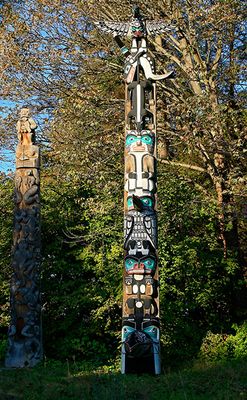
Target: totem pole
<point x="140" y="322"/>
<point x="24" y="336"/>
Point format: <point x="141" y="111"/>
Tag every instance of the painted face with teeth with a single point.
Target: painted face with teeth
<point x="140" y="141"/>
<point x="146" y="265"/>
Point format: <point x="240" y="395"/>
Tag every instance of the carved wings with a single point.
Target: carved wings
<point x="123" y="28"/>
<point x="116" y="28"/>
<point x="157" y="27"/>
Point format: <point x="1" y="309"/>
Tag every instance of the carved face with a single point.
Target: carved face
<point x="145" y="265"/>
<point x="140" y="141"/>
<point x="137" y="29"/>
<point x="25" y="113"/>
<point x="147" y="202"/>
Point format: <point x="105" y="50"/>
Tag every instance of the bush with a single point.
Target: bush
<point x="239" y="340"/>
<point x="223" y="346"/>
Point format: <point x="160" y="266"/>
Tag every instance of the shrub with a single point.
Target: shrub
<point x="225" y="346"/>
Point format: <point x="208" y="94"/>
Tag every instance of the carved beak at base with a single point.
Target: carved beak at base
<point x="149" y="73"/>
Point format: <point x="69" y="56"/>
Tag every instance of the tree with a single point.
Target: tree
<point x="55" y="60"/>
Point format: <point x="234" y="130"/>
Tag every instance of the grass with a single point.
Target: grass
<point x="57" y="381"/>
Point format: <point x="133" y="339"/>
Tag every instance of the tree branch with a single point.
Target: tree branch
<point x="183" y="165"/>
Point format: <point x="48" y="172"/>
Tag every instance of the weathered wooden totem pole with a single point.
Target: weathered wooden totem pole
<point x="24" y="336"/>
<point x="140" y="331"/>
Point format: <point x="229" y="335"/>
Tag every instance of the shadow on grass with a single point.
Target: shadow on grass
<point x="221" y="381"/>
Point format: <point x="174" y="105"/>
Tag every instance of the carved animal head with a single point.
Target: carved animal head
<point x="138" y="29"/>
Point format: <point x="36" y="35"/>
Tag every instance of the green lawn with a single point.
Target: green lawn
<point x="225" y="381"/>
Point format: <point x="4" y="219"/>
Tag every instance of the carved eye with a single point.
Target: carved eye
<point x="129" y="263"/>
<point x="147" y="201"/>
<point x="130" y="139"/>
<point x="147" y="139"/>
<point x="149" y="263"/>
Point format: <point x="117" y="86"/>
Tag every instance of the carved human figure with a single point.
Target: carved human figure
<point x="140" y="163"/>
<point x="24" y="337"/>
<point x="25" y="127"/>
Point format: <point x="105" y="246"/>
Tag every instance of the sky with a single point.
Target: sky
<point x="9" y="163"/>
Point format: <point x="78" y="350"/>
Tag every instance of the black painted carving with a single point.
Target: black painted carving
<point x="140" y="333"/>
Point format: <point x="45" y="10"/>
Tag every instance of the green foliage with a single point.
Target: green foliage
<point x="82" y="269"/>
<point x="225" y="346"/>
<point x="72" y="74"/>
<point x="197" y="283"/>
<point x="6" y="234"/>
<point x="239" y="340"/>
<point x="81" y="273"/>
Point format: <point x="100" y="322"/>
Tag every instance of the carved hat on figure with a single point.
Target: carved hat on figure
<point x="26" y="127"/>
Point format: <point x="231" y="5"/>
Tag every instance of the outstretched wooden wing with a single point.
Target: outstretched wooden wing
<point x="157" y="27"/>
<point x="115" y="28"/>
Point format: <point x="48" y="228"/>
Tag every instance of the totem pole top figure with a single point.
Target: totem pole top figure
<point x="26" y="128"/>
<point x="137" y="29"/>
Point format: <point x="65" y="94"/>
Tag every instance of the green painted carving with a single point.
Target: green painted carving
<point x="140" y="332"/>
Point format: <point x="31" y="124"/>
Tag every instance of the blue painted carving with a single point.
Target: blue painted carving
<point x="140" y="332"/>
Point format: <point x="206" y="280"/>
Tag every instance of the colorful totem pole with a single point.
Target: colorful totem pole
<point x="24" y="336"/>
<point x="140" y="331"/>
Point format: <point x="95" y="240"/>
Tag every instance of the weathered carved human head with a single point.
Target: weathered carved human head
<point x="25" y="112"/>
